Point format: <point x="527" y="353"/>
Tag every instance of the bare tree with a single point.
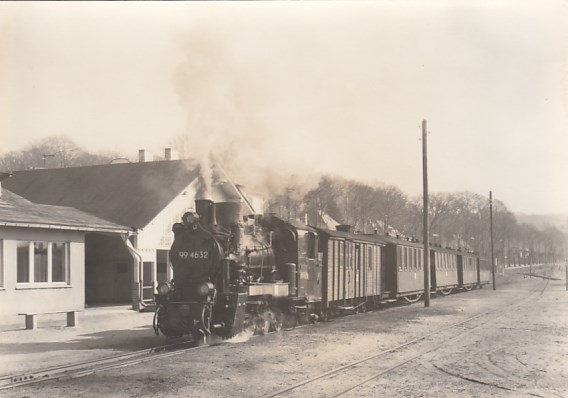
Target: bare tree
<point x="52" y="152"/>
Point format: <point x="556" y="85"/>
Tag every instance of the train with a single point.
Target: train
<point x="235" y="272"/>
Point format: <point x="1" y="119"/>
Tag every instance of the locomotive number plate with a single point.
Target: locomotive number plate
<point x="194" y="255"/>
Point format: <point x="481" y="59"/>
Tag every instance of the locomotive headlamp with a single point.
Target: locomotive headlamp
<point x="204" y="288"/>
<point x="190" y="218"/>
<point x="163" y="288"/>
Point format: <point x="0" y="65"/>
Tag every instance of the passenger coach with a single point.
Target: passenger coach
<point x="443" y="269"/>
<point x="404" y="272"/>
<point x="467" y="271"/>
<point x="351" y="270"/>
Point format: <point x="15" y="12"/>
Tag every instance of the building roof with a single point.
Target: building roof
<point x="16" y="211"/>
<point x="131" y="194"/>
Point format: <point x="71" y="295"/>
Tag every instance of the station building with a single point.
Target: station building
<point x="42" y="255"/>
<point x="146" y="198"/>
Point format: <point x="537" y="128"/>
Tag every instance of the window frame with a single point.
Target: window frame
<point x="31" y="281"/>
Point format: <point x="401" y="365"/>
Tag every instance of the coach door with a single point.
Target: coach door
<point x="312" y="269"/>
<point x="358" y="274"/>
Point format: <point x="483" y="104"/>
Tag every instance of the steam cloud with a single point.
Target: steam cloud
<point x="229" y="122"/>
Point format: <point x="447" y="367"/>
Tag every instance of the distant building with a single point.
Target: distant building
<point x="145" y="197"/>
<point x="42" y="255"/>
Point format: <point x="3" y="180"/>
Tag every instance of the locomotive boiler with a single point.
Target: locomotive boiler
<point x="225" y="275"/>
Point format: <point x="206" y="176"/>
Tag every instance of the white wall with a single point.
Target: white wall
<point x="16" y="299"/>
<point x="158" y="233"/>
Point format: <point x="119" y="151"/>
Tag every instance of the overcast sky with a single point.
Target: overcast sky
<point x="300" y="87"/>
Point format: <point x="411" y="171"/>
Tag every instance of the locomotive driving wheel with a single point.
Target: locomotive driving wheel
<point x="268" y="321"/>
<point x="276" y="321"/>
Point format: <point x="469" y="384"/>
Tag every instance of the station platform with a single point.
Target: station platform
<point x="101" y="332"/>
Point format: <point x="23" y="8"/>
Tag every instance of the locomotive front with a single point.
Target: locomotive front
<point x="185" y="305"/>
<point x="224" y="275"/>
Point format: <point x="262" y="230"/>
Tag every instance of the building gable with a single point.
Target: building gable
<point x="130" y="194"/>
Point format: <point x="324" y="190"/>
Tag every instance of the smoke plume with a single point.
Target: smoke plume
<point x="229" y="122"/>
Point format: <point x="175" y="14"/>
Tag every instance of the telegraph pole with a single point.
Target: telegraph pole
<point x="491" y="228"/>
<point x="425" y="207"/>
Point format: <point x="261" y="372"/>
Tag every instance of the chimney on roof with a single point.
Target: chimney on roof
<point x="141" y="155"/>
<point x="168" y="154"/>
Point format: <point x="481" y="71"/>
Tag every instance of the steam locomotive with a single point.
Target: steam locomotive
<point x="260" y="272"/>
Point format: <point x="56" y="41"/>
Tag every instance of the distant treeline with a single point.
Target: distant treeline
<point x="456" y="219"/>
<point x="52" y="152"/>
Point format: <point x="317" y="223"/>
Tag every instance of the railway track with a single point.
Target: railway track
<point x="76" y="370"/>
<point x="363" y="371"/>
<point x="79" y="369"/>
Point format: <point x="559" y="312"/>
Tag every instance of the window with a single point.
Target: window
<point x="418" y="259"/>
<point x="311" y="243"/>
<point x="415" y="259"/>
<point x="23" y="261"/>
<point x="42" y="262"/>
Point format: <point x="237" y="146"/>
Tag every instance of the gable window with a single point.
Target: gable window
<point x="42" y="262"/>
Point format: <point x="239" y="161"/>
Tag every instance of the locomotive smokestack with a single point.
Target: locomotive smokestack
<point x="206" y="210"/>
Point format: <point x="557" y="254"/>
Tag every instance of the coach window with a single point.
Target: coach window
<point x="311" y="244"/>
<point x="42" y="262"/>
<point x="415" y="259"/>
